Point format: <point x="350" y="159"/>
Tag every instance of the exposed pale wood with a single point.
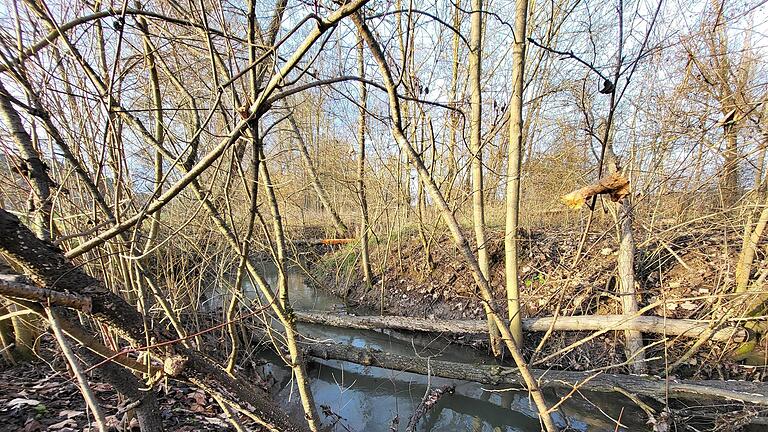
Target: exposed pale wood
<point x="615" y="185"/>
<point x="644" y="324"/>
<point x="11" y="288"/>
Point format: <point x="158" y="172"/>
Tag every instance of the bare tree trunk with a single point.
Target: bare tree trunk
<point x="626" y="268"/>
<point x="453" y="163"/>
<point x="277" y="231"/>
<point x="322" y="194"/>
<point x="513" y="173"/>
<point x="24" y="336"/>
<point x="157" y="98"/>
<point x="364" y="225"/>
<point x="749" y="244"/>
<point x="580" y="323"/>
<point x="729" y="181"/>
<point x="82" y="381"/>
<point x="475" y="145"/>
<point x="657" y="388"/>
<point x="298" y="364"/>
<point x="6" y="336"/>
<point x="30" y="166"/>
<point x="760" y="173"/>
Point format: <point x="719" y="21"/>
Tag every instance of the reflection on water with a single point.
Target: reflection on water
<point x="369" y="398"/>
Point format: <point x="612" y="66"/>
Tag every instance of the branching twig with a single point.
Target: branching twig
<point x="570" y="54"/>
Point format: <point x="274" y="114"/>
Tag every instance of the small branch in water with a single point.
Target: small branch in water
<point x="429" y="401"/>
<point x="328" y="413"/>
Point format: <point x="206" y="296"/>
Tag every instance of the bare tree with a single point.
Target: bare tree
<point x="513" y="173"/>
<point x="365" y="263"/>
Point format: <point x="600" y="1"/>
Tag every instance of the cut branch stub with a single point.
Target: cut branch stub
<point x="615" y="185"/>
<point x="11" y="287"/>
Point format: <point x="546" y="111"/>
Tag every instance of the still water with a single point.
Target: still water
<point x="370" y="399"/>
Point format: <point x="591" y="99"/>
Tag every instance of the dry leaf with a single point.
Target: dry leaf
<point x="195" y="407"/>
<point x="101" y="387"/>
<point x="199" y="397"/>
<point x="63" y="424"/>
<point x="15" y="403"/>
<point x="33" y="426"/>
<point x="689" y="306"/>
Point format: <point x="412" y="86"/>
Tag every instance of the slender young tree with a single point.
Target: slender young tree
<point x="314" y="177"/>
<point x="513" y="172"/>
<point x="365" y="261"/>
<point x="476" y="147"/>
<point x="453" y="121"/>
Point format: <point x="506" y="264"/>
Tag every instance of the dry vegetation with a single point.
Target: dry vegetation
<point x="154" y="153"/>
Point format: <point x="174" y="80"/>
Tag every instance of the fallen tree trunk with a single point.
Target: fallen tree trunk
<point x="645" y="324"/>
<point x="658" y="388"/>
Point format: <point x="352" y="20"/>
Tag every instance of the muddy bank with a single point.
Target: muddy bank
<point x="685" y="275"/>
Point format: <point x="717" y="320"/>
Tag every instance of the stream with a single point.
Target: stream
<point x="370" y="398"/>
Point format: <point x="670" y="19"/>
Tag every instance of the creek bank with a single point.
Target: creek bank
<point x="681" y="275"/>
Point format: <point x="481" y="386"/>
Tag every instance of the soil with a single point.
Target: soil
<point x="686" y="270"/>
<point x="41" y="396"/>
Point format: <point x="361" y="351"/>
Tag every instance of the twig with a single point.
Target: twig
<point x="82" y="381"/>
<point x="570" y="54"/>
<point x="633" y="397"/>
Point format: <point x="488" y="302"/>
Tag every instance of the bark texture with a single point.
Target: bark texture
<point x="30" y="166"/>
<point x="476" y="147"/>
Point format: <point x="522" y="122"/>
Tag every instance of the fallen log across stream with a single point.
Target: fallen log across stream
<point x="649" y="386"/>
<point x="645" y="324"/>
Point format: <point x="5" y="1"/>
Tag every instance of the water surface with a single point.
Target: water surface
<point x="370" y="399"/>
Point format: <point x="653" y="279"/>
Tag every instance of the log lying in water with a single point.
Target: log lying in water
<point x="645" y="324"/>
<point x="658" y="388"/>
